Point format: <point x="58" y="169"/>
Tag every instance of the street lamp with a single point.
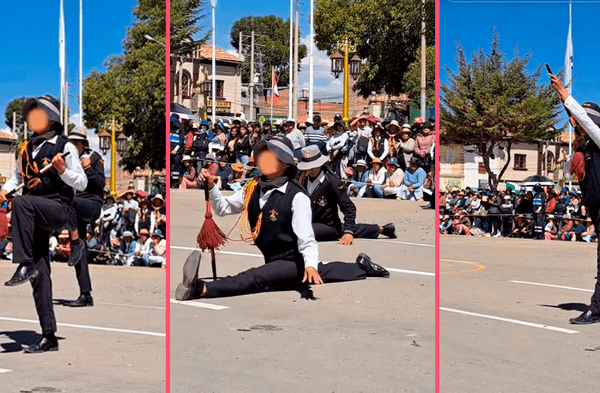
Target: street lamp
<point x="337" y="64"/>
<point x="355" y="64"/>
<point x="115" y="145"/>
<point x="206" y="89"/>
<point x="152" y="39"/>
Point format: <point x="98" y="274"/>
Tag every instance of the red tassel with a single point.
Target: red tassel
<point x="210" y="236"/>
<point x="3" y="224"/>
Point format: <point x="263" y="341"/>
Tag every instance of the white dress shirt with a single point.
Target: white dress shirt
<point x="74" y="175"/>
<point x="583" y="119"/>
<point x="301" y="217"/>
<point x="312" y="185"/>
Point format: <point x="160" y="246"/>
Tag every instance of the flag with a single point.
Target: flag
<point x="61" y="54"/>
<point x="569" y="58"/>
<point x="275" y="96"/>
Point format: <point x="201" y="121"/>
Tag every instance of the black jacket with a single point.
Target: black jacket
<point x="325" y="200"/>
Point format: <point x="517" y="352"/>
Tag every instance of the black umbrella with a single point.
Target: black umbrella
<point x="536" y="179"/>
<point x="182" y="111"/>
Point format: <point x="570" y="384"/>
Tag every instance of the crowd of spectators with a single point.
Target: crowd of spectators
<point x="538" y="213"/>
<point x="376" y="158"/>
<point x="130" y="232"/>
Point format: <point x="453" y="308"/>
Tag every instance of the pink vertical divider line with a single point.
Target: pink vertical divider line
<point x="436" y="195"/>
<point x="168" y="196"/>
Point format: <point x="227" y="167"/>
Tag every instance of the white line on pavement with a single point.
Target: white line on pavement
<point x="515" y="321"/>
<point x="552" y="286"/>
<point x="200" y="305"/>
<point x="260" y="256"/>
<point x="3" y="370"/>
<point x="410" y="272"/>
<point x="131" y="305"/>
<point x="399" y="242"/>
<point x="90" y="327"/>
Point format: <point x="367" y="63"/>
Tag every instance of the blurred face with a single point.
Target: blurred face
<point x="79" y="145"/>
<point x="243" y="131"/>
<point x="414" y="166"/>
<point x="314" y="172"/>
<point x="38" y="122"/>
<point x="362" y="123"/>
<point x="288" y="127"/>
<point x="376" y="166"/>
<point x="405" y="135"/>
<point x="426" y="130"/>
<point x="269" y="164"/>
<point x="393" y="129"/>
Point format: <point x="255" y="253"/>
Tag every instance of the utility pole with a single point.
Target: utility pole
<point x="251" y="84"/>
<point x="423" y="58"/>
<point x="80" y="63"/>
<point x="180" y="83"/>
<point x="240" y="44"/>
<point x="311" y="62"/>
<point x="295" y="99"/>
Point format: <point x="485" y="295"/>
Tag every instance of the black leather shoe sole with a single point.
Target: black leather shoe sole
<point x="183" y="293"/>
<point x="42" y="347"/>
<point x="82" y="303"/>
<point x="191" y="267"/>
<point x="18" y="280"/>
<point x="76" y="253"/>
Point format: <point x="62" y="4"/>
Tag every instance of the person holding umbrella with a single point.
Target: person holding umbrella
<point x="585" y="166"/>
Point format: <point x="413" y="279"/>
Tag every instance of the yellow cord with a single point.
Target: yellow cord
<point x="246" y="233"/>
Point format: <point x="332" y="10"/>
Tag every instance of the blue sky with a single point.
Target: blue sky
<point x="29" y="54"/>
<point x="229" y="11"/>
<point x="538" y="27"/>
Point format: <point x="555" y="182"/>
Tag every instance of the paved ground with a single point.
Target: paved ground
<point x="116" y="346"/>
<point x="375" y="335"/>
<point x="534" y="287"/>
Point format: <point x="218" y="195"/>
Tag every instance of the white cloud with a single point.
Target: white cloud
<point x="326" y="87"/>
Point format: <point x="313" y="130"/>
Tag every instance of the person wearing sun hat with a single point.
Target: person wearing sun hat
<point x="188" y="178"/>
<point x="237" y="177"/>
<point x="276" y="215"/>
<point x="393" y="180"/>
<point x="88" y="206"/>
<point x="158" y="219"/>
<point x="359" y="177"/>
<point x="412" y="187"/>
<point x="45" y="206"/>
<point x="378" y="144"/>
<point x="329" y="196"/>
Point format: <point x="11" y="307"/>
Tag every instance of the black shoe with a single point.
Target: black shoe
<point x="77" y="247"/>
<point x="193" y="291"/>
<point x="191" y="267"/>
<point x="373" y="269"/>
<point x="586" y="318"/>
<point x="83" y="301"/>
<point x="44" y="345"/>
<point x="25" y="272"/>
<point x="389" y="230"/>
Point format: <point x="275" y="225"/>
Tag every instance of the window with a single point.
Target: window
<point x="220" y="88"/>
<point x="520" y="162"/>
<point x="482" y="170"/>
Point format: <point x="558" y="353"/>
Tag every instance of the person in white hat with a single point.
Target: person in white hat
<point x="126" y="253"/>
<point x="188" y="178"/>
<point x="359" y="177"/>
<point x="414" y="176"/>
<point x="295" y="136"/>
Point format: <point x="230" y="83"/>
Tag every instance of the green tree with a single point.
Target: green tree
<point x="185" y="25"/>
<point x="413" y="78"/>
<point x="133" y="90"/>
<point x="272" y="39"/>
<point x="492" y="102"/>
<point x="385" y="33"/>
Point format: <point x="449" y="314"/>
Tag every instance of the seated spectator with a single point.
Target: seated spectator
<point x="527" y="231"/>
<point x="142" y="247"/>
<point x="412" y="187"/>
<point x="551" y="229"/>
<point x="377" y="175"/>
<point x="589" y="234"/>
<point x="61" y="250"/>
<point x="565" y="229"/>
<point x="237" y="178"/>
<point x="126" y="252"/>
<point x="188" y="180"/>
<point x="462" y="224"/>
<point x="395" y="178"/>
<point x="158" y="250"/>
<point x="224" y="171"/>
<point x="359" y="177"/>
<point x="576" y="231"/>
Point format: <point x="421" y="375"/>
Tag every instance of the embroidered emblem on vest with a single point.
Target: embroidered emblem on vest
<point x="322" y="201"/>
<point x="273" y="215"/>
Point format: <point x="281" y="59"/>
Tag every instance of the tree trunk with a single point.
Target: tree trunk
<point x="508" y="147"/>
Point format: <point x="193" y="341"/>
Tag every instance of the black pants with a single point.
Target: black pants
<point x="538" y="230"/>
<point x="280" y="275"/>
<point x="325" y="233"/>
<point x="88" y="212"/>
<point x="33" y="219"/>
<point x="595" y="302"/>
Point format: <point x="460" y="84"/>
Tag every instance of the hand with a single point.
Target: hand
<point x="311" y="276"/>
<point x="3" y="198"/>
<point x="347" y="239"/>
<point x="410" y="187"/>
<point x="206" y="175"/>
<point x="557" y="86"/>
<point x="173" y="152"/>
<point x="368" y="181"/>
<point x="58" y="163"/>
<point x="392" y="184"/>
<point x="85" y="162"/>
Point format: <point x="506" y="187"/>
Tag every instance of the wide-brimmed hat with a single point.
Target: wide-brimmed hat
<point x="78" y="134"/>
<point x="311" y="158"/>
<point x="360" y="163"/>
<point x="290" y="120"/>
<point x="376" y="160"/>
<point x="127" y="234"/>
<point x="144" y="231"/>
<point x="355" y="121"/>
<point x="550" y="216"/>
<point x="158" y="233"/>
<point x="280" y="146"/>
<point x="237" y="167"/>
<point x="588" y="219"/>
<point x="46" y="103"/>
<point x="593" y="111"/>
<point x="186" y="158"/>
<point x="64" y="234"/>
<point x="394" y="161"/>
<point x="159" y="197"/>
<point x="392" y="123"/>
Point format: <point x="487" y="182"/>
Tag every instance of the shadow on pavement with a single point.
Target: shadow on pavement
<point x="568" y="306"/>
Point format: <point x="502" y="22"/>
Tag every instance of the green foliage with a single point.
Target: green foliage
<point x="385" y="33"/>
<point x="492" y="101"/>
<point x="185" y="25"/>
<point x="133" y="90"/>
<point x="272" y="38"/>
<point x="15" y="106"/>
<point x="413" y="78"/>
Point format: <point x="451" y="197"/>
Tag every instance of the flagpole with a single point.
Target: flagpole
<point x="570" y="81"/>
<point x="80" y="63"/>
<point x="291" y="67"/>
<point x="311" y="61"/>
<point x="61" y="55"/>
<point x="213" y="4"/>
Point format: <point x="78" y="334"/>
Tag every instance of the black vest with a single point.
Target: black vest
<point x="51" y="185"/>
<point x="377" y="147"/>
<point x="96" y="180"/>
<point x="590" y="185"/>
<point x="276" y="239"/>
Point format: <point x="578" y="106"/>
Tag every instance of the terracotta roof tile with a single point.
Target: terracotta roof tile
<point x="7" y="136"/>
<point x="205" y="52"/>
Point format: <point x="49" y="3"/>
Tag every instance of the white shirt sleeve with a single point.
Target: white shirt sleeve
<point x="583" y="119"/>
<point x="386" y="149"/>
<point x="302" y="227"/>
<point x="74" y="175"/>
<point x="15" y="179"/>
<point x="370" y="149"/>
<point x="223" y="206"/>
